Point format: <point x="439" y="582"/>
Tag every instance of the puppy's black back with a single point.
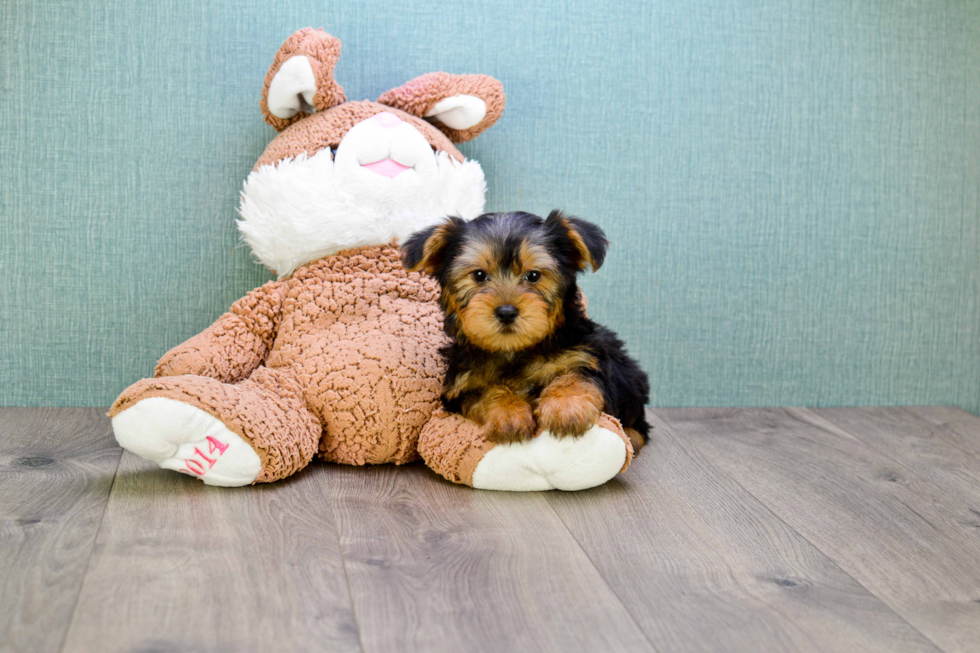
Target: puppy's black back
<point x="625" y="387"/>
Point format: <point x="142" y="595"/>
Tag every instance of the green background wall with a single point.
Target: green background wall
<point x="791" y="187"/>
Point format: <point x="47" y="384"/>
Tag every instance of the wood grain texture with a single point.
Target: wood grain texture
<point x="735" y="530"/>
<point x="436" y="567"/>
<point x="703" y="566"/>
<point x="958" y="428"/>
<point x="950" y="460"/>
<point x="890" y="528"/>
<point x="180" y="566"/>
<point x="56" y="468"/>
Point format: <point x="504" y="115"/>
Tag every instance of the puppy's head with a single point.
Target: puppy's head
<point x="506" y="277"/>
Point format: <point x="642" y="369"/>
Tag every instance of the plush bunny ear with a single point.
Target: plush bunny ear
<point x="462" y="106"/>
<point x="300" y="80"/>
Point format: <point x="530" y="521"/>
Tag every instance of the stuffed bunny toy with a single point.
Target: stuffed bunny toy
<point x="339" y="357"/>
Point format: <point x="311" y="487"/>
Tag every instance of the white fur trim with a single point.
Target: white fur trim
<point x="307" y="207"/>
<point x="292" y="89"/>
<point x="186" y="439"/>
<point x="459" y="111"/>
<point x="550" y="463"/>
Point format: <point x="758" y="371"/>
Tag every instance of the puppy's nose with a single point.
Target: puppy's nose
<point x="386" y="119"/>
<point x="506" y="313"/>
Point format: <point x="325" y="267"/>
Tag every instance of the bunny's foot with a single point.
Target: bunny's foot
<point x="186" y="439"/>
<point x="254" y="431"/>
<point x="456" y="448"/>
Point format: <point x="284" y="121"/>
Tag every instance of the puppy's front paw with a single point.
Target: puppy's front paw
<point x="509" y="422"/>
<point x="570" y="405"/>
<point x="565" y="416"/>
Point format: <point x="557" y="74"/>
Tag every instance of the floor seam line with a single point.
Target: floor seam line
<point x="605" y="581"/>
<point x="885" y="454"/>
<point x="343" y="565"/>
<point x="816" y="547"/>
<point x="91" y="554"/>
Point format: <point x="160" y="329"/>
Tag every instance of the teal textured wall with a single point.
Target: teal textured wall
<point x="791" y="187"/>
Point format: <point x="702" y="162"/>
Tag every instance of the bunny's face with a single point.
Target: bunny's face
<point x="350" y="174"/>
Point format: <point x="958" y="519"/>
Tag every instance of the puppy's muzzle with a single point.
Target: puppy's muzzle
<point x="507" y="313"/>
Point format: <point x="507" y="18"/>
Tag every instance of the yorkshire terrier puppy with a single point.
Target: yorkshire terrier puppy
<point x="524" y="353"/>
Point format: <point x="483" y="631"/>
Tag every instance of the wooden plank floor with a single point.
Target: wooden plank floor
<point x="736" y="530"/>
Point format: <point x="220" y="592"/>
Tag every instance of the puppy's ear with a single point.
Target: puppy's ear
<point x="425" y="250"/>
<point x="587" y="242"/>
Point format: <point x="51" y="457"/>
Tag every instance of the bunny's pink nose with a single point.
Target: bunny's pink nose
<point x="387" y="119"/>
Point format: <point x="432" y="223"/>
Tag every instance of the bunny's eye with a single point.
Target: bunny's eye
<point x="479" y="276"/>
<point x="533" y="276"/>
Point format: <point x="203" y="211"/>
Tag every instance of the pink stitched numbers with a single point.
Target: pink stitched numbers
<point x="216" y="445"/>
<point x="196" y="467"/>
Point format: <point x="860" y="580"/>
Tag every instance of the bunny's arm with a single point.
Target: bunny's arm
<point x="231" y="348"/>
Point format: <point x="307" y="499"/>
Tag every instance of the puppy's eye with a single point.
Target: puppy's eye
<point x="480" y="276"/>
<point x="533" y="276"/>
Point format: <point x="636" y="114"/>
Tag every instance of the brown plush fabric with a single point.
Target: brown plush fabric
<point x="328" y="128"/>
<point x="340" y="358"/>
<point x="419" y="95"/>
<point x="452" y="446"/>
<point x="267" y="410"/>
<point x="323" y="51"/>
<point x="349" y="341"/>
<point x="232" y="347"/>
<point x="610" y="423"/>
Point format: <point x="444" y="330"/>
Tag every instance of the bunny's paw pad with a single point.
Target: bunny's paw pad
<point x="547" y="462"/>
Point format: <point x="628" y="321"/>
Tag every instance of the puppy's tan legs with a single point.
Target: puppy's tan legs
<point x="569" y="405"/>
<point x="635" y="439"/>
<point x="506" y="417"/>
